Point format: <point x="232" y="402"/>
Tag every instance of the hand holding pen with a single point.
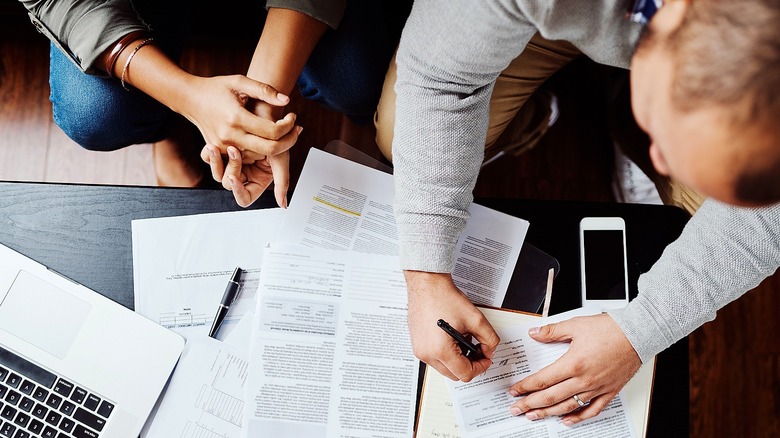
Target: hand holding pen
<point x="471" y="351"/>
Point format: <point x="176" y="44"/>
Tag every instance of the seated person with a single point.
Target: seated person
<point x="337" y="53"/>
<point x="699" y="86"/>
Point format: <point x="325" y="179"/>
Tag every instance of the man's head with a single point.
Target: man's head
<point x="705" y="83"/>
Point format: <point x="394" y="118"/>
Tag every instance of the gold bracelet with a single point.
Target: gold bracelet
<point x="130" y="58"/>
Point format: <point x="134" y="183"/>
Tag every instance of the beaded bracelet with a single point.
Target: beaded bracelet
<point x="130" y="58"/>
<point x="119" y="47"/>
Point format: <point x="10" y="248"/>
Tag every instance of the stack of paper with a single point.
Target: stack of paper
<point x="322" y="305"/>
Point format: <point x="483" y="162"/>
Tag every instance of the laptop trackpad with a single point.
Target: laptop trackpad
<point x="42" y="314"/>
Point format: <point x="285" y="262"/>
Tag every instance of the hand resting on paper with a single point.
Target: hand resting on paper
<point x="434" y="296"/>
<point x="599" y="362"/>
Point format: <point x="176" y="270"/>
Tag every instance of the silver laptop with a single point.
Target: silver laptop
<point x="72" y="362"/>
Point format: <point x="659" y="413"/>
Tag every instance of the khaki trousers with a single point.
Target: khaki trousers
<point x="518" y="117"/>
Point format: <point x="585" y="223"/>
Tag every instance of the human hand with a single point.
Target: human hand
<point x="599" y="362"/>
<point x="434" y="296"/>
<point x="218" y="107"/>
<point x="249" y="181"/>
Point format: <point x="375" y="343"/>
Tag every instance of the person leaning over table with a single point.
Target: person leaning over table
<point x="704" y="84"/>
<point x="337" y="53"/>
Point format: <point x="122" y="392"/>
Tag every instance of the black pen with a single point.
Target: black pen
<point x="471" y="351"/>
<point x="227" y="299"/>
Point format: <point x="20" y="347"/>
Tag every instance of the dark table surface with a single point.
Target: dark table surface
<point x="84" y="233"/>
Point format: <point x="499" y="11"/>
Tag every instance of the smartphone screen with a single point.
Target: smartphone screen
<point x="604" y="268"/>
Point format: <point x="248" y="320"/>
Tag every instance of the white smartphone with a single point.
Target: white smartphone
<point x="603" y="264"/>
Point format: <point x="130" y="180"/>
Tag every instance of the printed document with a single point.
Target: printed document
<point x="480" y="408"/>
<point x="342" y="205"/>
<point x="181" y="266"/>
<point x="331" y="355"/>
<point x="205" y="397"/>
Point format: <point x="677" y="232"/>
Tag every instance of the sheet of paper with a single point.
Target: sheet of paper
<point x="181" y="266"/>
<point x="437" y="415"/>
<point x="331" y="355"/>
<point x="241" y="335"/>
<point x="343" y="205"/>
<point x="205" y="396"/>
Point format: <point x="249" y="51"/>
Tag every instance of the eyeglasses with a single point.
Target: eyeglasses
<point x="641" y="11"/>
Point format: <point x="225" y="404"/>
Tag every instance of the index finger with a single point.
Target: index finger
<point x="450" y="355"/>
<point x="280" y="168"/>
<point x="261" y="127"/>
<point x="480" y="328"/>
<point x="233" y="167"/>
<point x="548" y="376"/>
<point x="268" y="147"/>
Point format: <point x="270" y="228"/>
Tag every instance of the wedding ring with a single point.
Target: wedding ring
<point x="579" y="401"/>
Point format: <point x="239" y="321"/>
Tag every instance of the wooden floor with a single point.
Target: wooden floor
<point x="735" y="361"/>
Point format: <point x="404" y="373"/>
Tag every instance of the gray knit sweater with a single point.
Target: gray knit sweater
<point x="450" y="54"/>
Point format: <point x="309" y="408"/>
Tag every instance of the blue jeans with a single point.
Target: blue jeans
<point x="344" y="73"/>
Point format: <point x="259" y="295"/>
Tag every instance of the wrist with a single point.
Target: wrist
<point x="182" y="98"/>
<point x="421" y="280"/>
<point x="152" y="72"/>
<point x="110" y="57"/>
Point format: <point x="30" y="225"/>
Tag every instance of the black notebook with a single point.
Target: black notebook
<point x="529" y="282"/>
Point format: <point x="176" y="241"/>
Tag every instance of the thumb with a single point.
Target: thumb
<point x="551" y="332"/>
<point x="261" y="91"/>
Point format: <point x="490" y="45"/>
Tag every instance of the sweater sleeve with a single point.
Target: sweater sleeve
<point x="448" y="60"/>
<point x="84" y="29"/>
<point x="451" y="53"/>
<point x="723" y="252"/>
<point x="329" y="12"/>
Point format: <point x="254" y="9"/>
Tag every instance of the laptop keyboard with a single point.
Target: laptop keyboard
<point x="37" y="403"/>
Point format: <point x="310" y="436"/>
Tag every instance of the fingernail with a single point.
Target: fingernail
<point x="298" y="129"/>
<point x="533" y="330"/>
<point x="513" y="393"/>
<point x="514" y="410"/>
<point x="282" y="97"/>
<point x="532" y="416"/>
<point x="285" y="202"/>
<point x="232" y="181"/>
<point x="212" y="153"/>
<point x="568" y="423"/>
<point x="232" y="153"/>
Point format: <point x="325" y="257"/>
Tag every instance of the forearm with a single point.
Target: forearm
<point x="288" y="39"/>
<point x="447" y="64"/>
<point x="723" y="252"/>
<point x="152" y="72"/>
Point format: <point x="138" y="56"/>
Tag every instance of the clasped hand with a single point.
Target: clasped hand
<point x="255" y="141"/>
